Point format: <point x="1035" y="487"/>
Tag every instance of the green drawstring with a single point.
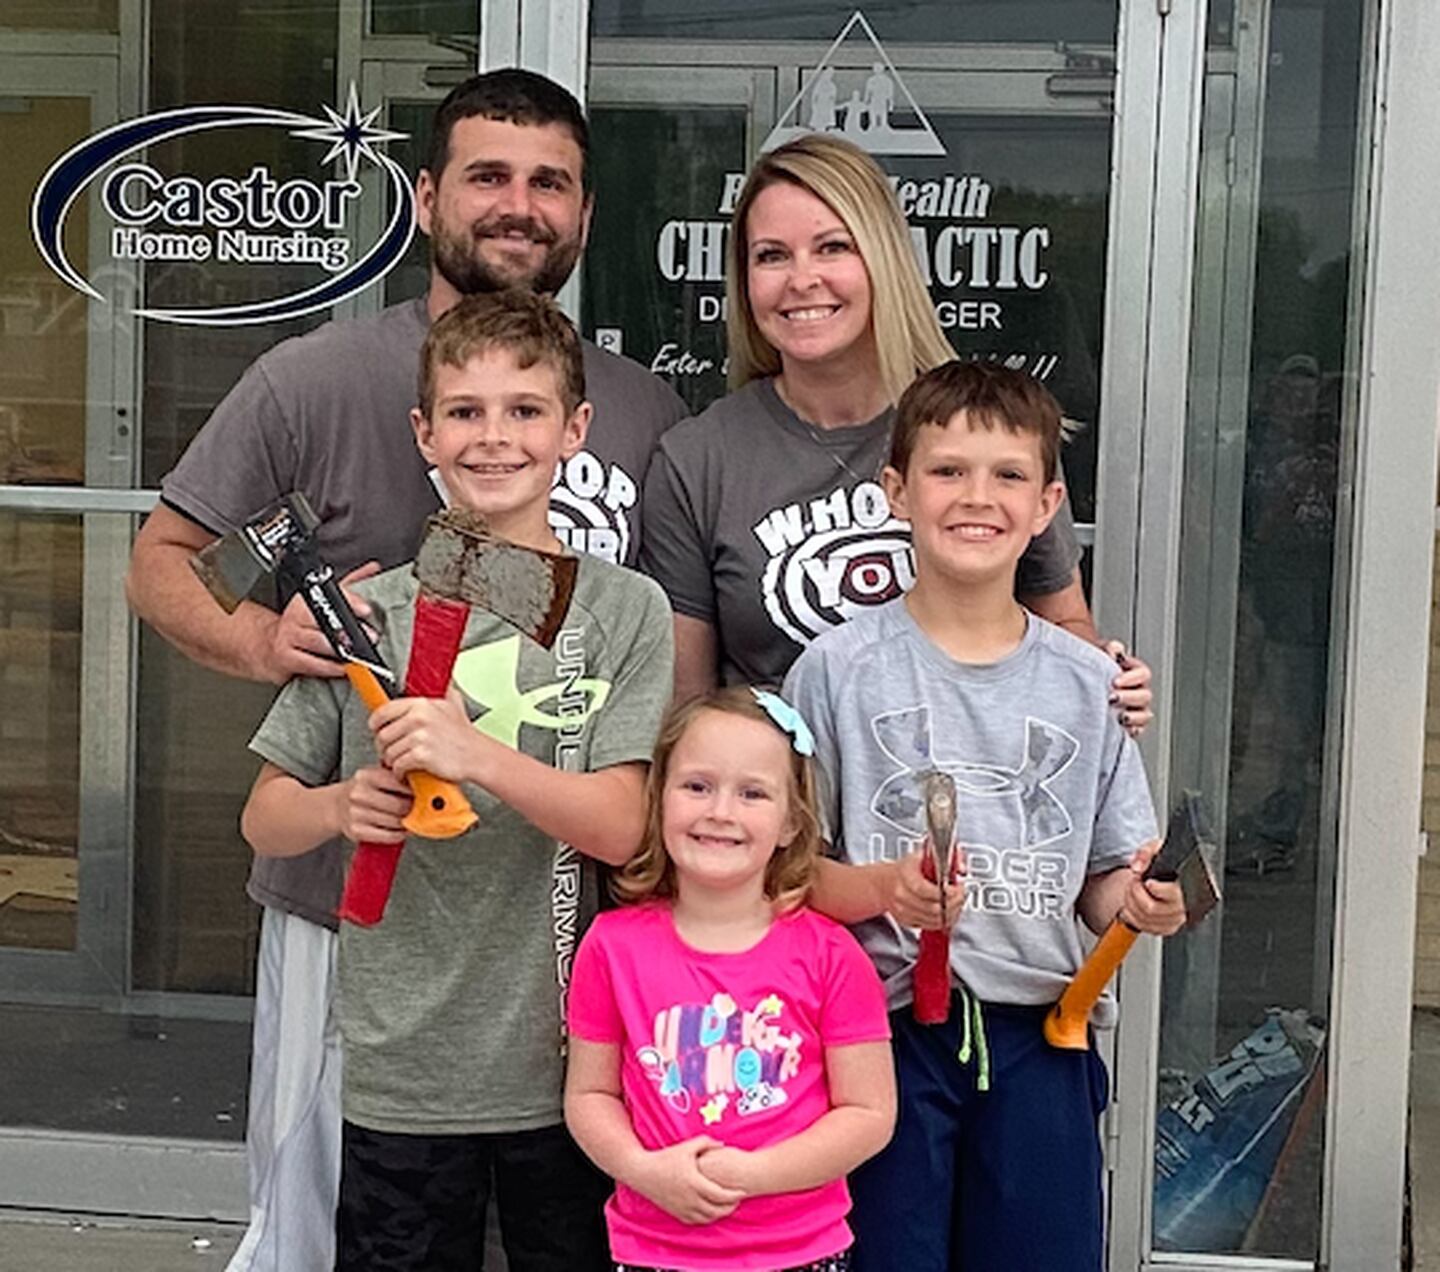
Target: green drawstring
<point x="972" y="1031"/>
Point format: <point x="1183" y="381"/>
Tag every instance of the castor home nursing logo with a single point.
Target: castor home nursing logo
<point x="249" y="217"/>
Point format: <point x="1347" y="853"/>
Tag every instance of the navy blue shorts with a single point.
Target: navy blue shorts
<point x="1000" y="1180"/>
<point x="416" y="1203"/>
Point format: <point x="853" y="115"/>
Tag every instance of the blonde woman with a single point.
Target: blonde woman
<point x="764" y="518"/>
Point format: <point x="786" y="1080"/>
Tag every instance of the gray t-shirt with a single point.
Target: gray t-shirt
<point x="774" y="530"/>
<point x="328" y="414"/>
<point x="1050" y="788"/>
<point x="451" y="1007"/>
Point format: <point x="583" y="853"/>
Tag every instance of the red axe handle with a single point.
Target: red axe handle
<point x="439" y="628"/>
<point x="932" y="968"/>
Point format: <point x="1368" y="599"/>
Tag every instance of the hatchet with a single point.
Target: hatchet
<point x="461" y="564"/>
<point x="1181" y="859"/>
<point x="941" y="862"/>
<point x="279" y="541"/>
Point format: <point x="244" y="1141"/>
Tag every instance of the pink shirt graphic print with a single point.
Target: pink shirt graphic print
<point x="731" y="1046"/>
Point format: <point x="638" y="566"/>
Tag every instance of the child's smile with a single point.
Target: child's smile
<point x="495" y="433"/>
<point x="726" y="801"/>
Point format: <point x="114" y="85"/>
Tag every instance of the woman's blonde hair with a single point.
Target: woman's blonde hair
<point x="791" y="868"/>
<point x="908" y="339"/>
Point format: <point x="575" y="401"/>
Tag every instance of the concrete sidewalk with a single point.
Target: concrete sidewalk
<point x="48" y="1242"/>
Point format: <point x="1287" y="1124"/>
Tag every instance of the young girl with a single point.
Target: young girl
<point x="729" y="1053"/>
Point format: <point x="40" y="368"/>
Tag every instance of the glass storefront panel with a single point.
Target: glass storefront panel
<point x="1246" y="1005"/>
<point x="40" y="589"/>
<point x="60" y="15"/>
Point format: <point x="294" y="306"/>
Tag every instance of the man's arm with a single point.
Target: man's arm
<point x="254" y="643"/>
<point x="601" y="814"/>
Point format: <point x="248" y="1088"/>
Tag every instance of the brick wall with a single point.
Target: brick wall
<point x="1427" y="934"/>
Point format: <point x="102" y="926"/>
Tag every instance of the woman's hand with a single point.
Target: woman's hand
<point x="1130" y="692"/>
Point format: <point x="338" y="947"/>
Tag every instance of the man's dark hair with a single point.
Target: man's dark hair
<point x="512" y="96"/>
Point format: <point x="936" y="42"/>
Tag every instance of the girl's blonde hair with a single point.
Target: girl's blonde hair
<point x="908" y="338"/>
<point x="791" y="868"/>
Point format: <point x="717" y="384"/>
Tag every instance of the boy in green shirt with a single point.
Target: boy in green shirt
<point x="451" y="1008"/>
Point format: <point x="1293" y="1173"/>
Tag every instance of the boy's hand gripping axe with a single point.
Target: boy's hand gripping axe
<point x="940" y="862"/>
<point x="1181" y="859"/>
<point x="280" y="541"/>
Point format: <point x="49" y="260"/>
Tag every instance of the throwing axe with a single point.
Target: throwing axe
<point x="941" y="861"/>
<point x="1181" y="859"/>
<point x="461" y="564"/>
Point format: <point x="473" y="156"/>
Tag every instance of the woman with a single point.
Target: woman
<point x="764" y="518"/>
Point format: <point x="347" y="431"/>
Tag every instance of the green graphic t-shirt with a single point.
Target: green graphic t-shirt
<point x="452" y="1007"/>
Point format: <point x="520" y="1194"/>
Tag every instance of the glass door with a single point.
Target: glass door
<point x="1246" y="1014"/>
<point x="66" y="434"/>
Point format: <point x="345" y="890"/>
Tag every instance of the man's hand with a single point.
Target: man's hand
<point x="1130" y="691"/>
<point x="1149" y="905"/>
<point x="673" y="1180"/>
<point x="433" y="734"/>
<point x="297" y="646"/>
<point x="915" y="900"/>
<point x="372" y="805"/>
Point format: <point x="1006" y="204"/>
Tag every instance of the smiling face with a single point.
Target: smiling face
<point x="726" y="802"/>
<point x="507" y="210"/>
<point x="496" y="431"/>
<point x="974" y="497"/>
<point x="808" y="286"/>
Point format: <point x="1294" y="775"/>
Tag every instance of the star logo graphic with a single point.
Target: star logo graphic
<point x="352" y="135"/>
<point x="712" y="1110"/>
<point x="771" y="1006"/>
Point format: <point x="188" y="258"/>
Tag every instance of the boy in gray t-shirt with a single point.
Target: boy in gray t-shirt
<point x="995" y="1163"/>
<point x="451" y="1008"/>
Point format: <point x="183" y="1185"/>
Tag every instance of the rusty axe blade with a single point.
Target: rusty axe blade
<point x="462" y="559"/>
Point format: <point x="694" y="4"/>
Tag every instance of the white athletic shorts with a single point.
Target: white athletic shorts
<point x="292" y="1137"/>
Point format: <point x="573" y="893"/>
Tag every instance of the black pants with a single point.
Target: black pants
<point x="416" y="1203"/>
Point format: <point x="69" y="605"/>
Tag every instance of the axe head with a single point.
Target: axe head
<point x="940" y="814"/>
<point x="232" y="565"/>
<point x="1184" y="857"/>
<point x="461" y="559"/>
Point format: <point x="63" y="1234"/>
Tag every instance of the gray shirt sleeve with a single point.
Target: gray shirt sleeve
<point x="675" y="549"/>
<point x="243" y="459"/>
<point x="643" y="683"/>
<point x="1049" y="562"/>
<point x="301" y="733"/>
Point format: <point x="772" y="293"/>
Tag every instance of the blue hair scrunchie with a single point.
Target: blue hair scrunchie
<point x="787" y="719"/>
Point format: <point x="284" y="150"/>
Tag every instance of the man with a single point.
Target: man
<point x="504" y="201"/>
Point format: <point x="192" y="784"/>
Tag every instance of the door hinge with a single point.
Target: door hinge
<point x="1162" y="7"/>
<point x="1110" y="1132"/>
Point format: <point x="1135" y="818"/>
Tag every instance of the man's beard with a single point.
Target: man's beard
<point x="458" y="259"/>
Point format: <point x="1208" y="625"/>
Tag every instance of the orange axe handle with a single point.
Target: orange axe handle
<point x="1067" y="1025"/>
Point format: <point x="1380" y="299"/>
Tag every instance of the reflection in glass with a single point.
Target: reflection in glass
<point x="43" y="339"/>
<point x="425" y="17"/>
<point x="40" y="589"/>
<point x="1240" y="1134"/>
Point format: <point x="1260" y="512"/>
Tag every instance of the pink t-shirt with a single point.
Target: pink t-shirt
<point x="731" y="1046"/>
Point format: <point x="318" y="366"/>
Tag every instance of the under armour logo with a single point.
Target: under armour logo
<point x="489" y="674"/>
<point x="905" y="736"/>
